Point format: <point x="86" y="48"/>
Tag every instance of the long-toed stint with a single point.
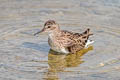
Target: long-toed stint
<point x="65" y="41"/>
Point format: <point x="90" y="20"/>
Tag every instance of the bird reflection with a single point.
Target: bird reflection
<point x="58" y="62"/>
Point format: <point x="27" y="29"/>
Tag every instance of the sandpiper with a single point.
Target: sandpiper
<point x="65" y="41"/>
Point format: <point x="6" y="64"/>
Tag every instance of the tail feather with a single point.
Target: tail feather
<point x="85" y="35"/>
<point x="87" y="32"/>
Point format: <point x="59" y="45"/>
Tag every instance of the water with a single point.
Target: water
<point x="26" y="57"/>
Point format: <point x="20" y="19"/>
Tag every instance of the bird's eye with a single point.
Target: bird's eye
<point x="48" y="26"/>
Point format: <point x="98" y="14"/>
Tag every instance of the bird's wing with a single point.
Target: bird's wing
<point x="66" y="39"/>
<point x="75" y="41"/>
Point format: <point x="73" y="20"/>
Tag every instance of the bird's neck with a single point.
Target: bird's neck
<point x="55" y="33"/>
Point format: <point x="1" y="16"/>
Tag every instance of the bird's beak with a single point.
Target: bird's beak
<point x="39" y="32"/>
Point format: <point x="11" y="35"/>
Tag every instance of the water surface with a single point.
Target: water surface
<point x="26" y="57"/>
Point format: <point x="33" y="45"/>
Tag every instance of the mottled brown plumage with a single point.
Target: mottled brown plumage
<point x="65" y="41"/>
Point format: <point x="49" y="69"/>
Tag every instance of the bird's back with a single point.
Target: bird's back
<point x="74" y="42"/>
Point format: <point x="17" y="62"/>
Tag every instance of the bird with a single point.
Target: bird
<point x="63" y="41"/>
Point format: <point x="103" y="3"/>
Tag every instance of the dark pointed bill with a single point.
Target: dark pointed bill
<point x="39" y="32"/>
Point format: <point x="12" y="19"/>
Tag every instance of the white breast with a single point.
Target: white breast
<point x="52" y="43"/>
<point x="55" y="46"/>
<point x="51" y="40"/>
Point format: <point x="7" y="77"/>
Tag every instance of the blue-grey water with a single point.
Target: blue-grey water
<point x="26" y="57"/>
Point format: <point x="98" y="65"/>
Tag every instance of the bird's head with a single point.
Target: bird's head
<point x="49" y="27"/>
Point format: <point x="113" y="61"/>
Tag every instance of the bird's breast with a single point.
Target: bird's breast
<point x="56" y="45"/>
<point x="51" y="41"/>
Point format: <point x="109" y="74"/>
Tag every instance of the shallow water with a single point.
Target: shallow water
<point x="26" y="57"/>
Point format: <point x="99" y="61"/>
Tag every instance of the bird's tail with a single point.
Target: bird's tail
<point x="85" y="36"/>
<point x="87" y="33"/>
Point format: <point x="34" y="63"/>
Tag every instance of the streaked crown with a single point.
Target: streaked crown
<point x="50" y="22"/>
